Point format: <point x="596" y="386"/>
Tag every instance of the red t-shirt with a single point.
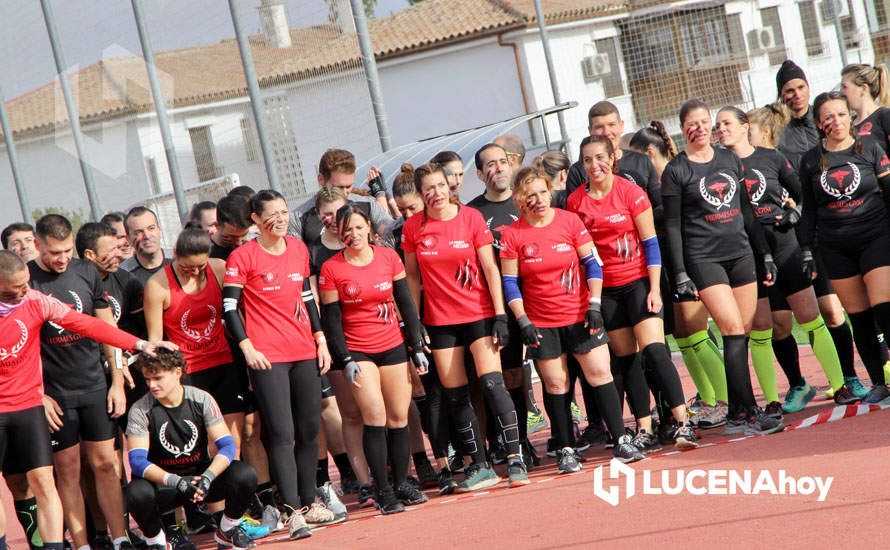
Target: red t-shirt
<point x="194" y="323"/>
<point x="370" y="323"/>
<point x="454" y="286"/>
<point x="276" y="320"/>
<point x="21" y="371"/>
<point x="610" y="221"/>
<point x="554" y="289"/>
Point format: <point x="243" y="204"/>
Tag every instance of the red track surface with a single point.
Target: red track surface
<point x="562" y="511"/>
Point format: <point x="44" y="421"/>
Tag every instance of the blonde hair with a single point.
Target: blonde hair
<point x="552" y="163"/>
<point x="328" y="194"/>
<point x="773" y="117"/>
<point x="522" y="179"/>
<point x="875" y="77"/>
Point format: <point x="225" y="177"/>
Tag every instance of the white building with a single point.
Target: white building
<point x="445" y="65"/>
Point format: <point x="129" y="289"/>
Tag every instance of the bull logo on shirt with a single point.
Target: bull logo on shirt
<point x="570" y="279"/>
<point x="195" y="335"/>
<point x="77" y="306"/>
<point x="720" y="191"/>
<point x="865" y="129"/>
<point x="352" y="290"/>
<point x="174" y="449"/>
<point x="429" y="242"/>
<point x="270" y="277"/>
<point x="466" y="275"/>
<point x="17" y="348"/>
<point x="530" y="250"/>
<point x="756" y="187"/>
<point x="841" y="183"/>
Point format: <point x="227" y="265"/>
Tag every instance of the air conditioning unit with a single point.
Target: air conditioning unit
<point x="595" y="66"/>
<point x="827" y="9"/>
<point x="761" y="40"/>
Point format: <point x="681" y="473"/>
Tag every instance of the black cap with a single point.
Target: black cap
<point x="788" y="71"/>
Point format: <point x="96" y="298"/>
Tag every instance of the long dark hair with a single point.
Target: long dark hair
<point x="821" y="100"/>
<point x="345" y="213"/>
<point x="604" y="141"/>
<point x="423" y="171"/>
<point x="654" y="135"/>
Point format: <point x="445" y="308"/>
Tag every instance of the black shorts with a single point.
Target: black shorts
<point x="392" y="356"/>
<point x="511" y="354"/>
<point x="326" y="389"/>
<point x="791" y="278"/>
<point x="625" y="306"/>
<point x="24" y="441"/>
<point x="227" y="384"/>
<point x="574" y="339"/>
<point x="464" y="334"/>
<point x="735" y="273"/>
<point x="85" y="418"/>
<point x="821" y="284"/>
<point x="857" y="257"/>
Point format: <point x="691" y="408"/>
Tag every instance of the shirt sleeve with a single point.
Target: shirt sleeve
<point x="99" y="300"/>
<point x="408" y="244"/>
<point x="508" y="244"/>
<point x="236" y="268"/>
<point x="653" y="193"/>
<point x="788" y="177"/>
<point x="481" y="233"/>
<point x="882" y="163"/>
<point x="326" y="278"/>
<point x="380" y="218"/>
<point x="209" y="408"/>
<point x="395" y="263"/>
<point x="133" y="295"/>
<point x="637" y="200"/>
<point x="53" y="308"/>
<point x="137" y="419"/>
<point x="670" y="187"/>
<point x="580" y="234"/>
<point x="807" y="227"/>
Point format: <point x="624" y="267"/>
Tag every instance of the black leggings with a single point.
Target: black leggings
<point x="289" y="398"/>
<point x="146" y="501"/>
<point x="434" y="414"/>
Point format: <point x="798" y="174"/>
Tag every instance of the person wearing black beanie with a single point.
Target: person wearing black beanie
<point x="800" y="134"/>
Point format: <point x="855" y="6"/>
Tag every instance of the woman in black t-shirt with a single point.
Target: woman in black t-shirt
<point x="846" y="200"/>
<point x="709" y="221"/>
<point x="867" y="89"/>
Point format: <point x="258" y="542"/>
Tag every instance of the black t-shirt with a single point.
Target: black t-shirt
<point x="141" y="272"/>
<point x="498" y="216"/>
<point x="123" y="292"/>
<point x="319" y="254"/>
<point x="877" y="127"/>
<point x="713" y="227"/>
<point x="769" y="180"/>
<point x="845" y="201"/>
<point x="72" y="364"/>
<point x="220" y="252"/>
<point x="800" y="135"/>
<point x="177" y="436"/>
<point x="393" y="237"/>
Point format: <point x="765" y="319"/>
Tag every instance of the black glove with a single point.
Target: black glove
<point x="352" y="369"/>
<point x="808" y="263"/>
<point x="421" y="363"/>
<point x="499" y="331"/>
<point x="182" y="485"/>
<point x="593" y="319"/>
<point x="376" y="187"/>
<point x="530" y="336"/>
<point x="771" y="272"/>
<point x="684" y="287"/>
<point x="789" y="219"/>
<point x="203" y="483"/>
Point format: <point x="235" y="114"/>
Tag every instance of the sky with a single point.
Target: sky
<point x="87" y="28"/>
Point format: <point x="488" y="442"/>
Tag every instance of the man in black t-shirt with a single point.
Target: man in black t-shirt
<point x="233" y="224"/>
<point x="78" y="400"/>
<point x="144" y="233"/>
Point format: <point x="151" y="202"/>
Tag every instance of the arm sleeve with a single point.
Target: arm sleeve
<point x="231" y="297"/>
<point x="653" y="190"/>
<point x="752" y="226"/>
<point x="806" y="229"/>
<point x="333" y="330"/>
<point x="673" y="212"/>
<point x="408" y="310"/>
<point x="311" y="306"/>
<point x="100" y="331"/>
<point x="788" y="178"/>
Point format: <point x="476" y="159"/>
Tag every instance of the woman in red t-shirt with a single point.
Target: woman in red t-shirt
<point x="618" y="215"/>
<point x="363" y="294"/>
<point x="284" y="346"/>
<point x="449" y="246"/>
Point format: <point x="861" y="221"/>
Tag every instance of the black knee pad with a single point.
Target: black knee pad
<point x="501" y="405"/>
<point x="655" y="354"/>
<point x="457" y="396"/>
<point x="242" y="474"/>
<point x="139" y="494"/>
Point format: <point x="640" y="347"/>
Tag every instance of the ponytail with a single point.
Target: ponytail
<point x="655" y="135"/>
<point x="874" y="76"/>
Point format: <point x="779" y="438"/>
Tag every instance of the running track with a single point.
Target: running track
<point x="562" y="512"/>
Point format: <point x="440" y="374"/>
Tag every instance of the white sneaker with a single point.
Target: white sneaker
<point x="328" y="495"/>
<point x="296" y="525"/>
<point x="272" y="519"/>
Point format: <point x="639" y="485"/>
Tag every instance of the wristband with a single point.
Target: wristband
<point x="171" y="480"/>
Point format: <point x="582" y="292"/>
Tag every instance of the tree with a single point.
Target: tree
<point x="76" y="217"/>
<point x="334" y="15"/>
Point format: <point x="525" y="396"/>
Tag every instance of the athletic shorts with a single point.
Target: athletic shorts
<point x="392" y="356"/>
<point x="667" y="309"/>
<point x="511" y="354"/>
<point x="857" y="257"/>
<point x="24" y="441"/>
<point x="85" y="418"/>
<point x="241" y="363"/>
<point x="464" y="334"/>
<point x="572" y="339"/>
<point x="735" y="273"/>
<point x="326" y="389"/>
<point x="227" y="384"/>
<point x="791" y="278"/>
<point x="625" y="306"/>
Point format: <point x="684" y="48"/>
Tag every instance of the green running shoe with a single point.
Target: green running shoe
<point x="798" y="397"/>
<point x="478" y="476"/>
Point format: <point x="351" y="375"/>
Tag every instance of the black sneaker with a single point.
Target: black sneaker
<point x="426" y="475"/>
<point x="413" y="481"/>
<point x="592" y="435"/>
<point x="685" y="437"/>
<point x="761" y="424"/>
<point x="388" y="503"/>
<point x="773" y="410"/>
<point x="136" y="539"/>
<point x="498" y="454"/>
<point x="665" y="432"/>
<point x="410" y="495"/>
<point x="447" y="485"/>
<point x="102" y="541"/>
<point x="177" y="539"/>
<point x="646" y="442"/>
<point x="349" y="484"/>
<point x="456" y="463"/>
<point x="366" y="494"/>
<point x="529" y="456"/>
<point x="552" y="447"/>
<point x="626" y="451"/>
<point x="235" y="538"/>
<point x="843" y="396"/>
<point x="876" y="394"/>
<point x="125" y="545"/>
<point x="568" y="463"/>
<point x="198" y="520"/>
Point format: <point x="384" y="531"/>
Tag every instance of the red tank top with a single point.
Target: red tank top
<point x="194" y="323"/>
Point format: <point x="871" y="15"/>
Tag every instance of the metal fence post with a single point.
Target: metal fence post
<point x="253" y="90"/>
<point x="14" y="162"/>
<point x="554" y="86"/>
<point x="841" y="44"/>
<point x="76" y="133"/>
<point x="161" y="109"/>
<point x="370" y="65"/>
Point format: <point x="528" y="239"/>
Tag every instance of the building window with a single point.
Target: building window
<point x="775" y="51"/>
<point x="612" y="84"/>
<point x="205" y="156"/>
<point x="810" y="24"/>
<point x="249" y="141"/>
<point x="154" y="180"/>
<point x="277" y="112"/>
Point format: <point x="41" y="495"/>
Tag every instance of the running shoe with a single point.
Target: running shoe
<point x="568" y="461"/>
<point x="626" y="451"/>
<point x="349" y="484"/>
<point x="136" y="539"/>
<point x="272" y="519"/>
<point x="646" y="442"/>
<point x="328" y="495"/>
<point x="447" y="485"/>
<point x="855" y="385"/>
<point x="388" y="503"/>
<point x="712" y="417"/>
<point x="366" y="495"/>
<point x="666" y="432"/>
<point x="317" y="514"/>
<point x="125" y="545"/>
<point x="426" y="474"/>
<point x="410" y="495"/>
<point x="478" y="476"/>
<point x="235" y="538"/>
<point x="843" y="396"/>
<point x="498" y="454"/>
<point x="296" y="525"/>
<point x="694" y="403"/>
<point x="593" y="434"/>
<point x="412" y="480"/>
<point x="178" y="539"/>
<point x="529" y="455"/>
<point x="102" y="541"/>
<point x="685" y="438"/>
<point x="773" y="409"/>
<point x="253" y="528"/>
<point x="198" y="520"/>
<point x="577" y="415"/>
<point x="798" y="397"/>
<point x="516" y="472"/>
<point x="552" y="447"/>
<point x="761" y="424"/>
<point x="535" y="422"/>
<point x="878" y="393"/>
<point x="455" y="461"/>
